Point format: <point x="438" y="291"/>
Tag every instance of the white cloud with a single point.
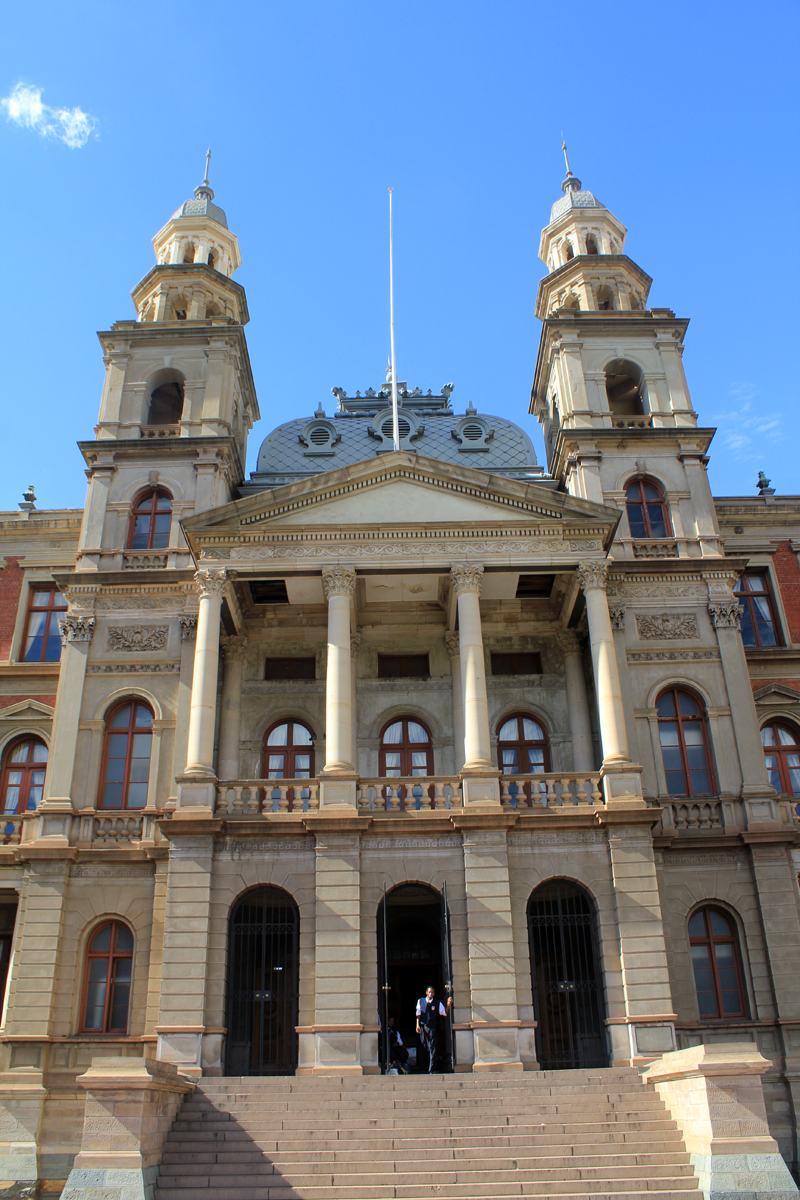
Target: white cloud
<point x="746" y="433"/>
<point x="24" y="107"/>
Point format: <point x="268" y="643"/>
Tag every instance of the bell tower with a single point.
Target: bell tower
<point x="179" y="399"/>
<point x="609" y="389"/>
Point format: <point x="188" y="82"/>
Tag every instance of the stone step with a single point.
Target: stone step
<point x="654" y="1152"/>
<point x="475" y="1191"/>
<point x="419" y="1103"/>
<point x="616" y="1167"/>
<point x="385" y="1126"/>
<point x="555" y="1181"/>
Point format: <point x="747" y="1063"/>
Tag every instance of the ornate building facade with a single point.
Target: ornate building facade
<point x="278" y="752"/>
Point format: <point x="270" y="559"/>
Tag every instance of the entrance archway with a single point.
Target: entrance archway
<point x="415" y="955"/>
<point x="567" y="991"/>
<point x="262" y="984"/>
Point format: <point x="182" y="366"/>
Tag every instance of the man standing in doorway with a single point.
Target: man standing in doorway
<point x="429" y="1010"/>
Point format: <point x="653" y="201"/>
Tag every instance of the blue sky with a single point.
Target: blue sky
<point x="682" y="118"/>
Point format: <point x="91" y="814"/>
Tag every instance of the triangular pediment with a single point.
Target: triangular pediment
<point x="776" y="694"/>
<point x="27" y="708"/>
<point x="408" y="491"/>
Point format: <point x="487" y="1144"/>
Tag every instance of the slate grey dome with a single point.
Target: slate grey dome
<point x="573" y="197"/>
<point x="202" y="206"/>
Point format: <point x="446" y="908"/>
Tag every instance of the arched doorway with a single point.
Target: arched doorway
<point x="262" y="984"/>
<point x="567" y="992"/>
<point x="414" y="954"/>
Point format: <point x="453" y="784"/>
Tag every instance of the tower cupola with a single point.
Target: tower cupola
<point x="196" y="255"/>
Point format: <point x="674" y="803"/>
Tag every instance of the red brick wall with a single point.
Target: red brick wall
<point x="10" y="588"/>
<point x="759" y="683"/>
<point x="7" y="701"/>
<point x="787" y="569"/>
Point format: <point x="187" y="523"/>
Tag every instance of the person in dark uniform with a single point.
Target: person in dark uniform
<point x="398" y="1055"/>
<point x="429" y="1010"/>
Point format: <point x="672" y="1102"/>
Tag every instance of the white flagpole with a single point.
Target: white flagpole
<point x="395" y="422"/>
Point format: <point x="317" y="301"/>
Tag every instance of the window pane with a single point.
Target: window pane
<point x="39" y="752"/>
<point x="121" y="717"/>
<point x="137" y="795"/>
<point x="535" y="760"/>
<point x="115" y="770"/>
<point x="392" y="764"/>
<point x="393" y="734"/>
<point x="20" y="752"/>
<point x="688" y="705"/>
<point x="508" y="731"/>
<point x="785" y="736"/>
<point x="163" y="504"/>
<point x="58" y="600"/>
<point x="720" y="926"/>
<point x="658" y="526"/>
<point x="141" y="532"/>
<point x="140" y="770"/>
<point x="650" y="493"/>
<point x="756" y="582"/>
<point x="697" y="926"/>
<point x="419" y="758"/>
<point x="302" y="766"/>
<point x="124" y="938"/>
<point x="665" y="706"/>
<point x="509" y="761"/>
<point x="144" y="718"/>
<point x="102" y="940"/>
<point x="701" y="782"/>
<point x="120" y="994"/>
<point x="668" y="733"/>
<point x="37" y="627"/>
<point x="767" y="736"/>
<point x="636" y="521"/>
<point x="794" y="774"/>
<point x="11" y="798"/>
<point x="279" y="736"/>
<point x="417" y="733"/>
<point x="763" y="620"/>
<point x="748" y="633"/>
<point x="112" y="795"/>
<point x="532" y="731"/>
<point x="53" y="647"/>
<point x="301" y="736"/>
<point x="117" y="745"/>
<point x="773" y="772"/>
<point x="141" y="745"/>
<point x="275" y="768"/>
<point x="731" y="1003"/>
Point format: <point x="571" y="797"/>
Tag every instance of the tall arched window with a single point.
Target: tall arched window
<point x="126" y="756"/>
<point x="107" y="983"/>
<point x="406" y="750"/>
<point x="522" y="746"/>
<point x="646" y="506"/>
<point x="782" y="750"/>
<point x="24" y="766"/>
<point x="717" y="965"/>
<point x="591" y="244"/>
<point x="150" y="521"/>
<point x="624" y="388"/>
<point x="166" y="397"/>
<point x="684" y="744"/>
<point x="288" y="751"/>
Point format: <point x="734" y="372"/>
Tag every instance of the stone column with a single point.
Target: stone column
<point x="335" y="1044"/>
<point x="492" y="970"/>
<point x="621" y="779"/>
<point x="355" y="647"/>
<point x="203" y="705"/>
<point x="231" y="717"/>
<point x="188" y="624"/>
<point x="580" y="721"/>
<point x="480" y="775"/>
<point x="76" y="630"/>
<point x="339" y="584"/>
<point x="454" y="650"/>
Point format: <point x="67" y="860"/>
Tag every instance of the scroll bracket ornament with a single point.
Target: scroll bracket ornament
<point x="466" y="577"/>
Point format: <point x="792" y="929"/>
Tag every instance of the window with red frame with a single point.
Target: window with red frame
<point x="522" y="746"/>
<point x="648" y="515"/>
<point x="126" y="756"/>
<point x="42" y="640"/>
<point x="288" y="751"/>
<point x="107" y="982"/>
<point x="684" y="744"/>
<point x="759" y="627"/>
<point x="150" y="521"/>
<point x="24" y="767"/>
<point x="782" y="751"/>
<point x="406" y="750"/>
<point x="717" y="966"/>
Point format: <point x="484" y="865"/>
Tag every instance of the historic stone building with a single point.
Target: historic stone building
<point x="278" y="751"/>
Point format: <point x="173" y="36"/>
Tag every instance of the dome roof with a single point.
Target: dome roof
<point x="573" y="199"/>
<point x="202" y="206"/>
<point x="362" y="428"/>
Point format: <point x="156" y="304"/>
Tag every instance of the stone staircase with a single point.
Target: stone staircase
<point x="594" y="1133"/>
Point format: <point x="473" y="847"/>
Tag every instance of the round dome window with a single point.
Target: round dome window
<point x="473" y="433"/>
<point x="403" y="427"/>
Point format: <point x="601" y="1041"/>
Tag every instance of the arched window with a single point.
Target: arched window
<point x="166" y="398"/>
<point x="188" y="253"/>
<point x="406" y="750"/>
<point x="684" y="744"/>
<point x="24" y="766"/>
<point x="572" y="302"/>
<point x="126" y="756"/>
<point x="624" y="387"/>
<point x="717" y="965"/>
<point x="605" y="298"/>
<point x="591" y="244"/>
<point x="288" y="752"/>
<point x="107" y="984"/>
<point x="213" y="310"/>
<point x="782" y="750"/>
<point x="568" y="251"/>
<point x="646" y="506"/>
<point x="150" y="521"/>
<point x="522" y="746"/>
<point x="212" y="259"/>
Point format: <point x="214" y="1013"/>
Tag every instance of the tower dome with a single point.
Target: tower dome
<point x="202" y="206"/>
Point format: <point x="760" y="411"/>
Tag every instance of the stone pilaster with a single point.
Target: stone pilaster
<point x="234" y="650"/>
<point x="479" y="774"/>
<point x="580" y="721"/>
<point x="339" y="788"/>
<point x="453" y="643"/>
<point x="196" y="786"/>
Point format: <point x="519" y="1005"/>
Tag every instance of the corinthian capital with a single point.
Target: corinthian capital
<point x="338" y="581"/>
<point x="210" y="583"/>
<point x="75" y="628"/>
<point x="569" y="642"/>
<point x="453" y="643"/>
<point x="355" y="645"/>
<point x="466" y="577"/>
<point x="593" y="575"/>
<point x="725" y="614"/>
<point x="233" y="647"/>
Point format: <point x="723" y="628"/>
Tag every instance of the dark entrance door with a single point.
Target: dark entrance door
<point x="262" y="984"/>
<point x="414" y="959"/>
<point x="566" y="988"/>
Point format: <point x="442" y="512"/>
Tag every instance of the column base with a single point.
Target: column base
<point x="197" y="797"/>
<point x="496" y="1046"/>
<point x="338" y="791"/>
<point x="622" y="785"/>
<point x="480" y="789"/>
<point x="330" y="1050"/>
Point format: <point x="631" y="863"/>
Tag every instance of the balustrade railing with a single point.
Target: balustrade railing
<point x="254" y="797"/>
<point x="551" y="790"/>
<point x="409" y="794"/>
<point x="108" y="830"/>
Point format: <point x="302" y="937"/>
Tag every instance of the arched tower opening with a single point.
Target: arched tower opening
<point x="624" y="388"/>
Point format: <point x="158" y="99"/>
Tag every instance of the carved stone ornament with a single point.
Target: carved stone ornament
<point x="592" y="575"/>
<point x="211" y="583"/>
<point x="355" y="645"/>
<point x="234" y="647"/>
<point x="725" y="614"/>
<point x="188" y="629"/>
<point x="466" y="577"/>
<point x="137" y="637"/>
<point x="75" y="628"/>
<point x="453" y="643"/>
<point x="569" y="642"/>
<point x="338" y="581"/>
<point x="666" y="626"/>
<point x="617" y="614"/>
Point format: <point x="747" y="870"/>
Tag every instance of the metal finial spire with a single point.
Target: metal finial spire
<point x="208" y="160"/>
<point x="564" y="148"/>
<point x="570" y="184"/>
<point x="395" y="420"/>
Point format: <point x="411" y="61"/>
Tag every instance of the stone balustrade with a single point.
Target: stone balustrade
<point x="551" y="790"/>
<point x="696" y="815"/>
<point x="409" y="794"/>
<point x="256" y="797"/>
<point x="111" y="830"/>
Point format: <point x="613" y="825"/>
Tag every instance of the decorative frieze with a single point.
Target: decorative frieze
<point x="129" y="668"/>
<point x="76" y="628"/>
<point x="497" y="544"/>
<point x="85" y="871"/>
<point x="141" y="638"/>
<point x="646" y="656"/>
<point x="522" y="841"/>
<point x="725" y="614"/>
<point x="666" y="626"/>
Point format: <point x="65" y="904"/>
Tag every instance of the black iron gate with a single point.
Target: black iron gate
<point x="262" y="984"/>
<point x="566" y="987"/>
